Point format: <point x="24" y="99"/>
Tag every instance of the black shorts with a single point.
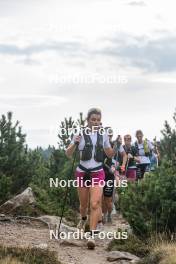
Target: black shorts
<point x="109" y="185"/>
<point x="141" y="169"/>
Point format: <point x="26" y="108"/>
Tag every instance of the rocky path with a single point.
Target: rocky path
<point x="26" y="233"/>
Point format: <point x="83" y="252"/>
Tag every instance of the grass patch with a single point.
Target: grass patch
<point x="153" y="258"/>
<point x="14" y="255"/>
<point x="164" y="253"/>
<point x="133" y="245"/>
<point x="158" y="249"/>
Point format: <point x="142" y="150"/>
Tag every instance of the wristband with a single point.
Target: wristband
<point x="122" y="168"/>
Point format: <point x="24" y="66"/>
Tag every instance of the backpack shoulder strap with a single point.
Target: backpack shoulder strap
<point x="99" y="139"/>
<point x="136" y="147"/>
<point x="124" y="147"/>
<point x="87" y="138"/>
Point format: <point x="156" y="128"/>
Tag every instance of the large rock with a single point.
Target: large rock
<point x="22" y="199"/>
<point x="120" y="255"/>
<point x="53" y="223"/>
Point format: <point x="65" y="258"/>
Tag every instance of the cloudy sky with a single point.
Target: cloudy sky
<point x="59" y="58"/>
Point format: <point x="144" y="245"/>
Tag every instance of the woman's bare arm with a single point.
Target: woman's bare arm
<point x="72" y="147"/>
<point x="110" y="152"/>
<point x="70" y="150"/>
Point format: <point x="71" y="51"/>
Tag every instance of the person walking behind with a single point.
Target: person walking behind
<point x="108" y="190"/>
<point x="145" y="149"/>
<point x="154" y="159"/>
<point x="133" y="157"/>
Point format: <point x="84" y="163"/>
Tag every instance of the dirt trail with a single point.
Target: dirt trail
<point x="35" y="235"/>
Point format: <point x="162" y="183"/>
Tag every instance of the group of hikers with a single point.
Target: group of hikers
<point x="102" y="159"/>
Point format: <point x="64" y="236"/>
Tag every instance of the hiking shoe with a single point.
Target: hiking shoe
<point x="82" y="224"/>
<point x="91" y="243"/>
<point x="113" y="209"/>
<point x="109" y="218"/>
<point x="100" y="227"/>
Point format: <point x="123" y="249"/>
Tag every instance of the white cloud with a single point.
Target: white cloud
<point x="41" y="38"/>
<point x="30" y="101"/>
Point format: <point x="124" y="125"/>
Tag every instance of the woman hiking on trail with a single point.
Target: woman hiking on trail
<point x="108" y="190"/>
<point x="145" y="149"/>
<point x="132" y="153"/>
<point x="90" y="170"/>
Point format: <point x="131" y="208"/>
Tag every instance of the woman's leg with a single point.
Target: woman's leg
<point x="143" y="169"/>
<point x="100" y="211"/>
<point x="138" y="172"/>
<point x="95" y="205"/>
<point x="108" y="201"/>
<point x="83" y="194"/>
<point x="104" y="208"/>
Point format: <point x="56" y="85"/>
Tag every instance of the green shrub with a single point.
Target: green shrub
<point x="133" y="244"/>
<point x="150" y="205"/>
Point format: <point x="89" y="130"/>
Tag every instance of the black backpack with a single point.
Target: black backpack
<point x="87" y="150"/>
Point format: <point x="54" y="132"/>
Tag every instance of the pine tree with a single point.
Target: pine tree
<point x="13" y="157"/>
<point x="65" y="133"/>
<point x="168" y="143"/>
